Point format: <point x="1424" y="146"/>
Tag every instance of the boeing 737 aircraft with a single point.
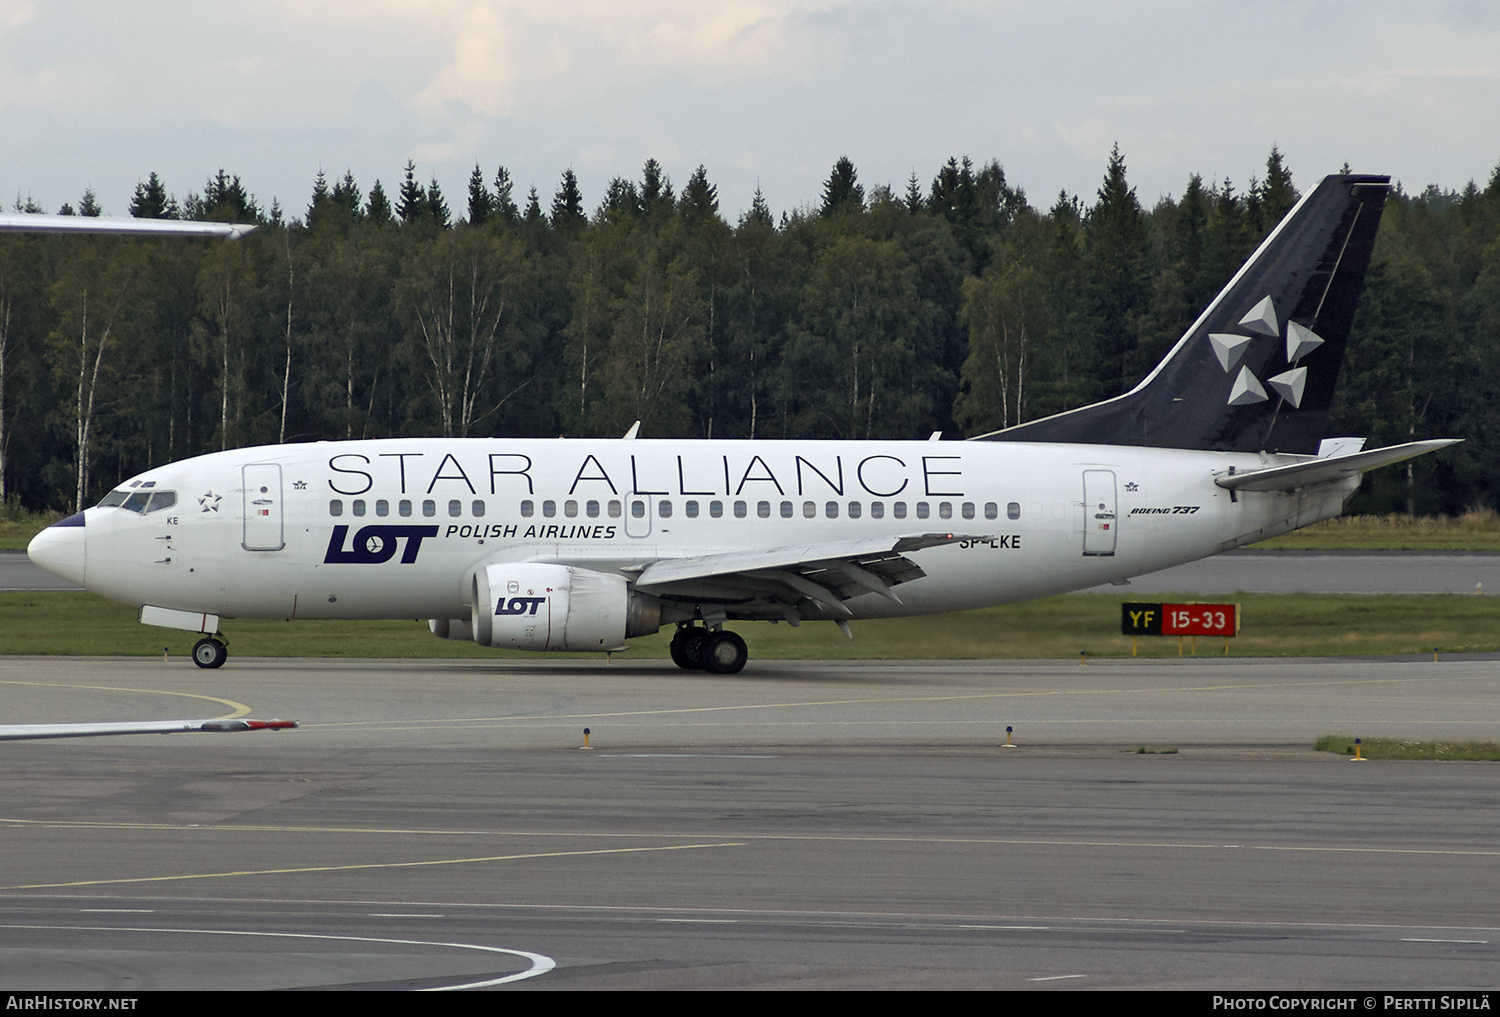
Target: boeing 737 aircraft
<point x="581" y="544"/>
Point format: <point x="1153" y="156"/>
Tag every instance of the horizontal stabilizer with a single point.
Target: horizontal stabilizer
<point x="1323" y="471"/>
<point x="22" y="732"/>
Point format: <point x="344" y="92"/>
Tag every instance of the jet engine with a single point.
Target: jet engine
<point x="533" y="606"/>
<point x="451" y="628"/>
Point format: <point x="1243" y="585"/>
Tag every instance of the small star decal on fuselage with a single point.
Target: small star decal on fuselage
<point x="210" y="501"/>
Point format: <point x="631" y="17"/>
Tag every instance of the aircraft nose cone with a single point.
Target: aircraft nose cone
<point x="59" y="549"/>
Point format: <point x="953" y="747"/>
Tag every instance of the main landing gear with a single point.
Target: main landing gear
<point x="720" y="651"/>
<point x="210" y="652"/>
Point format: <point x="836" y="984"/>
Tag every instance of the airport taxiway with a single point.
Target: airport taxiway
<point x="804" y="824"/>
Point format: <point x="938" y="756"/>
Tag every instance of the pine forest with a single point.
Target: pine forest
<point x="955" y="304"/>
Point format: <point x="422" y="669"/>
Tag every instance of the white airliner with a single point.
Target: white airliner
<point x="581" y="544"/>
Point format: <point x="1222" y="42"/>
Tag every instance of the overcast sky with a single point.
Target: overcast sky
<point x="98" y="93"/>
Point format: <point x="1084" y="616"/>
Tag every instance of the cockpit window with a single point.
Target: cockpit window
<point x="141" y="501"/>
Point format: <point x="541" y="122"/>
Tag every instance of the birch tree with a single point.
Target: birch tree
<point x="94" y="289"/>
<point x="457" y="293"/>
<point x="1005" y="312"/>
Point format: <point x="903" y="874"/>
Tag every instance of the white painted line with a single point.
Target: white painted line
<point x="1413" y="939"/>
<point x="117" y="911"/>
<point x="1010" y="928"/>
<point x="540" y="963"/>
<point x="378" y="914"/>
<point x="701" y="921"/>
<point x="677" y="755"/>
<point x="1055" y="978"/>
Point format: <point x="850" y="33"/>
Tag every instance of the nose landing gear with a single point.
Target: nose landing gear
<point x="695" y="648"/>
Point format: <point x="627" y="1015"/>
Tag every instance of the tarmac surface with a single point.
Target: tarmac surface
<point x="801" y="825"/>
<point x="1401" y="572"/>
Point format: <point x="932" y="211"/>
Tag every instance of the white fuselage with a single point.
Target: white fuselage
<point x="395" y="528"/>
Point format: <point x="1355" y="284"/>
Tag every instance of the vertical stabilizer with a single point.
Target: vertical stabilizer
<point x="1256" y="371"/>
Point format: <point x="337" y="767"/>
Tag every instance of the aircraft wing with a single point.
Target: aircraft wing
<point x="826" y="574"/>
<point x="21" y="732"/>
<point x="1323" y="471"/>
<point x="35" y="222"/>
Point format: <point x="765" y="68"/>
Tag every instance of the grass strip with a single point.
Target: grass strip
<point x="1291" y="625"/>
<point x="1395" y="748"/>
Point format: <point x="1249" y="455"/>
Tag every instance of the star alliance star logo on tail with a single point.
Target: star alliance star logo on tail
<point x="1230" y="347"/>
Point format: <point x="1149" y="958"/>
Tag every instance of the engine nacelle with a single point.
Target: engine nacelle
<point x="451" y="628"/>
<point x="533" y="606"/>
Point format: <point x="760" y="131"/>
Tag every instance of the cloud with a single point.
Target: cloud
<point x="481" y="73"/>
<point x="504" y="55"/>
<point x="15" y="13"/>
<point x="47" y="89"/>
<point x="1089" y="140"/>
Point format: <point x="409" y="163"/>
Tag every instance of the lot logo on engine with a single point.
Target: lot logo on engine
<point x="373" y="545"/>
<point x="519" y="605"/>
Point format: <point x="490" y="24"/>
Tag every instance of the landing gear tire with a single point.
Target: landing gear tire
<point x="687" y="648"/>
<point x="210" y="653"/>
<point x="724" y="653"/>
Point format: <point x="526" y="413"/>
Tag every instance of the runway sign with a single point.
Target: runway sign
<point x="1179" y="619"/>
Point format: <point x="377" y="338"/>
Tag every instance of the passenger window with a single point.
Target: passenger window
<point x="336" y="507"/>
<point x="1013" y="510"/>
<point x="854" y="510"/>
<point x="786" y="510"/>
<point x="968" y="510"/>
<point x="716" y="509"/>
<point x="638" y="509"/>
<point x="991" y="510"/>
<point x="692" y="509"/>
<point x="877" y="510"/>
<point x="478" y="509"/>
<point x="570" y="509"/>
<point x="614" y="510"/>
<point x="592" y="508"/>
<point x="405" y="508"/>
<point x="429" y="507"/>
<point x="549" y="509"/>
<point x="922" y="510"/>
<point x="528" y="508"/>
<point x="664" y="509"/>
<point x="945" y="510"/>
<point x="898" y="509"/>
<point x="763" y="509"/>
<point x="382" y="507"/>
<point x="455" y="508"/>
<point x="739" y="510"/>
<point x="831" y="510"/>
<point x="358" y="506"/>
<point x="809" y="510"/>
